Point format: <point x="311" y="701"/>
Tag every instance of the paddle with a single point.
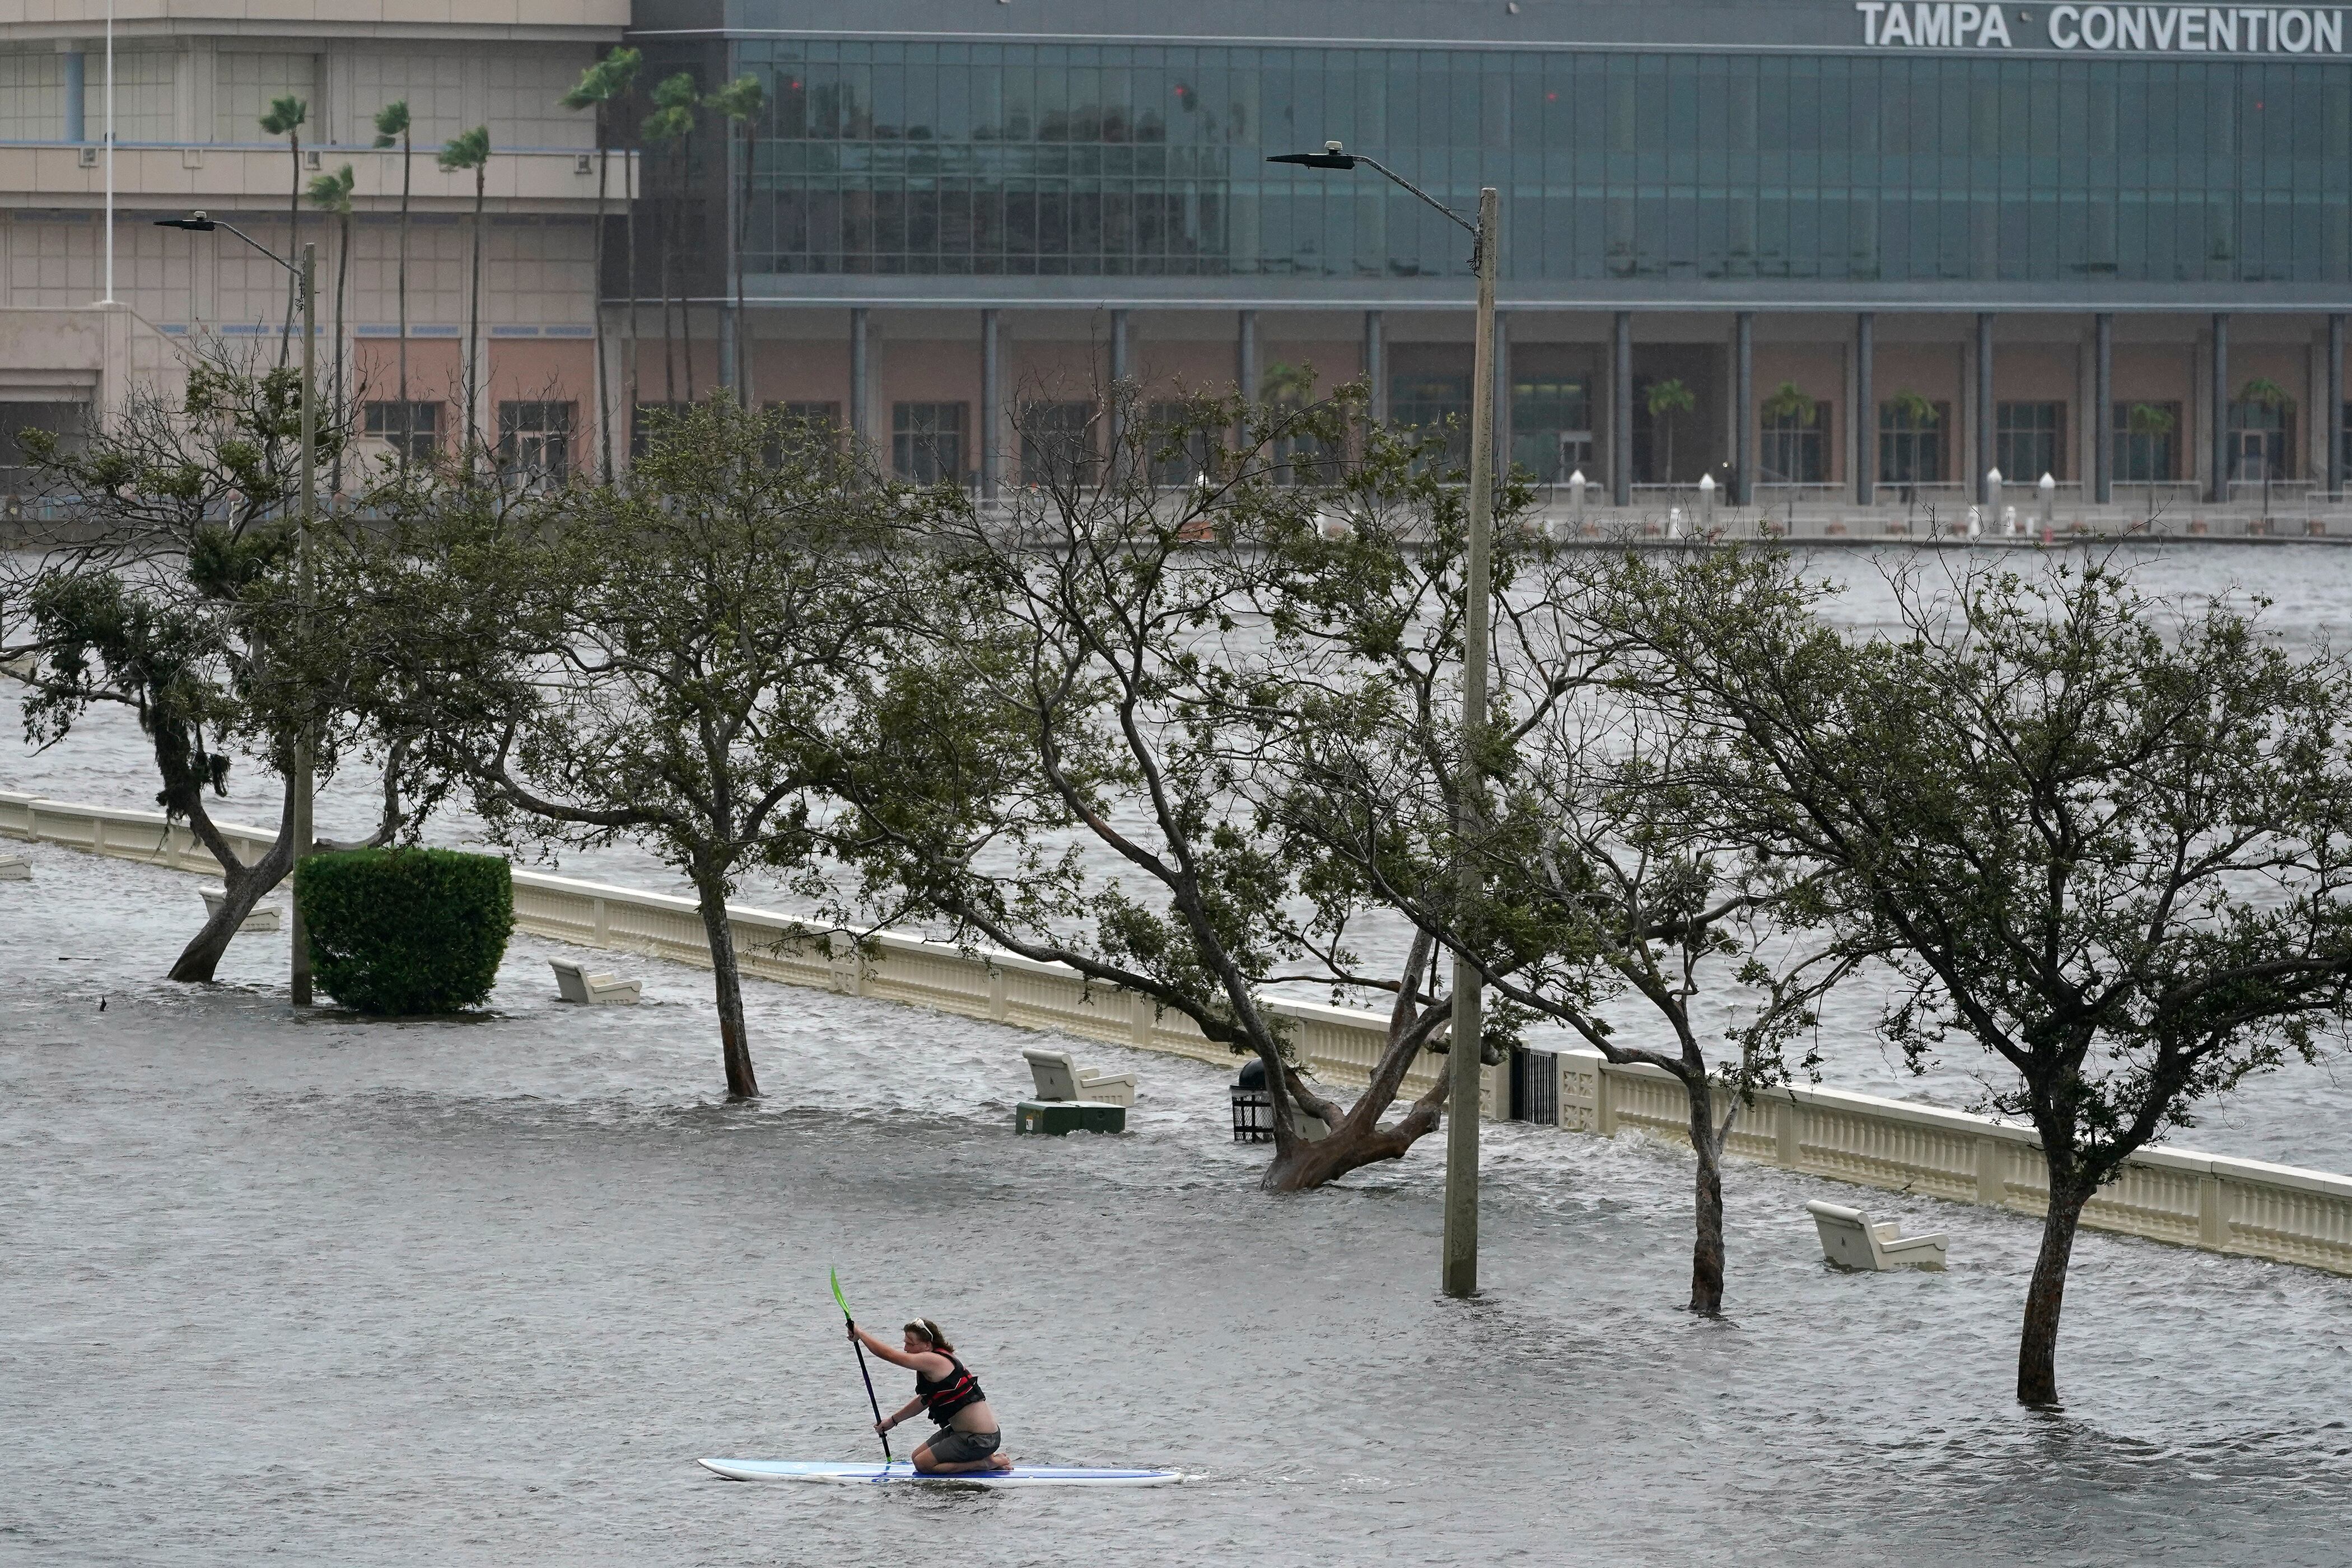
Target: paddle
<point x="860" y="1346"/>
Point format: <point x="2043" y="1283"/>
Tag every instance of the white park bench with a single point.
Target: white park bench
<point x="1059" y="1078"/>
<point x="576" y="985"/>
<point x="262" y="916"/>
<point x="1849" y="1241"/>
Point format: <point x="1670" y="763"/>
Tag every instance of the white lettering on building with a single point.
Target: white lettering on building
<point x="2158" y="29"/>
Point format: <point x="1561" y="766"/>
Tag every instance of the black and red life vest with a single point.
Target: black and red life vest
<point x="951" y="1394"/>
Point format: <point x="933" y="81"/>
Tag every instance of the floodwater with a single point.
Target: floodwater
<point x="480" y="1291"/>
<point x="2299" y="1116"/>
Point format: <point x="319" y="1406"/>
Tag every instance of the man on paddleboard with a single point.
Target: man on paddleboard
<point x="967" y="1438"/>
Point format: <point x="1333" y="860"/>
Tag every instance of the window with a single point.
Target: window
<point x="1057" y="442"/>
<point x="2261" y="436"/>
<point x="1179" y="459"/>
<point x="68" y="421"/>
<point x="927" y="442"/>
<point x="246" y="84"/>
<point x="1437" y="404"/>
<point x="1911" y="441"/>
<point x="650" y="420"/>
<point x="412" y="430"/>
<point x="2146" y="442"/>
<point x="1796" y="445"/>
<point x="802" y="422"/>
<point x="2029" y="441"/>
<point x="1551" y="427"/>
<point x="535" y="440"/>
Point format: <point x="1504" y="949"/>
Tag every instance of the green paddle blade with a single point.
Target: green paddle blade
<point x="837" y="1296"/>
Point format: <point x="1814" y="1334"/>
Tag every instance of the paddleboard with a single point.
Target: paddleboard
<point x="1018" y="1476"/>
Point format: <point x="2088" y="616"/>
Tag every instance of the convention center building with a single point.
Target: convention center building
<point x="1865" y="251"/>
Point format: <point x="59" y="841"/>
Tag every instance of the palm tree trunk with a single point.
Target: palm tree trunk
<point x="685" y="290"/>
<point x="474" y="321"/>
<point x="669" y="343"/>
<point x="343" y="271"/>
<point x="744" y="323"/>
<point x="632" y="166"/>
<point x="406" y="424"/>
<point x="603" y="389"/>
<point x="293" y="244"/>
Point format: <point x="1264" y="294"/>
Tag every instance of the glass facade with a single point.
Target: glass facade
<point x="1143" y="161"/>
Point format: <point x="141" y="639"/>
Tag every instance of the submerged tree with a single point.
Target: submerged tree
<point x="697" y="624"/>
<point x="1602" y="895"/>
<point x="2109" y="843"/>
<point x="1051" y="765"/>
<point x="172" y="590"/>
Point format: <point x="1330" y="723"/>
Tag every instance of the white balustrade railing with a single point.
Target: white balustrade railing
<point x="2208" y="1201"/>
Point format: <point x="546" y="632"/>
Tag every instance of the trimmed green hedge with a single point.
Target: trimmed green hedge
<point x="406" y="931"/>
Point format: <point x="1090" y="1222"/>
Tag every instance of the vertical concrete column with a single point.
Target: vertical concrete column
<point x="1115" y="396"/>
<point x="1865" y="425"/>
<point x="992" y="405"/>
<point x="1245" y="363"/>
<point x="2334" y="392"/>
<point x="1376" y="369"/>
<point x="2217" y="486"/>
<point x="1984" y="442"/>
<point x="2103" y="408"/>
<point x="861" y="387"/>
<point x="1502" y="400"/>
<point x="1621" y="410"/>
<point x="1743" y="405"/>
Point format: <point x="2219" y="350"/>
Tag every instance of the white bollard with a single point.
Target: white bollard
<point x="1706" y="503"/>
<point x="1976" y="521"/>
<point x="1576" y="498"/>
<point x="1674" y="522"/>
<point x="2049" y="488"/>
<point x="2008" y="521"/>
<point x="1992" y="488"/>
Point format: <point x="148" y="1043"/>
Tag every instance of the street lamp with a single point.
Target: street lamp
<point x="1460" y="1267"/>
<point x="304" y="276"/>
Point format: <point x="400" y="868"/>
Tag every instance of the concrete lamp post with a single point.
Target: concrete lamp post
<point x="1460" y="1268"/>
<point x="305" y="277"/>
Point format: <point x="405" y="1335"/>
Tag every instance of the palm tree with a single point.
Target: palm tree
<point x="333" y="194"/>
<point x="602" y="83"/>
<point x="2149" y="421"/>
<point x="391" y="129"/>
<point x="285" y="118"/>
<point x="1666" y="399"/>
<point x="671" y="125"/>
<point x="742" y="101"/>
<point x="2264" y="393"/>
<point x="471" y="150"/>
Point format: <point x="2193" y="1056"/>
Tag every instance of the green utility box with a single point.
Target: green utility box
<point x="1056" y="1117"/>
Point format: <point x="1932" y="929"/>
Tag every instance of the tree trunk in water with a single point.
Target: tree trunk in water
<point x="1706" y="1246"/>
<point x="1353" y="1143"/>
<point x="734" y="1044"/>
<point x="242" y="889"/>
<point x="2037" y="1347"/>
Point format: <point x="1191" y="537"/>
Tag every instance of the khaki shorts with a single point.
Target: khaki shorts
<point x="950" y="1446"/>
